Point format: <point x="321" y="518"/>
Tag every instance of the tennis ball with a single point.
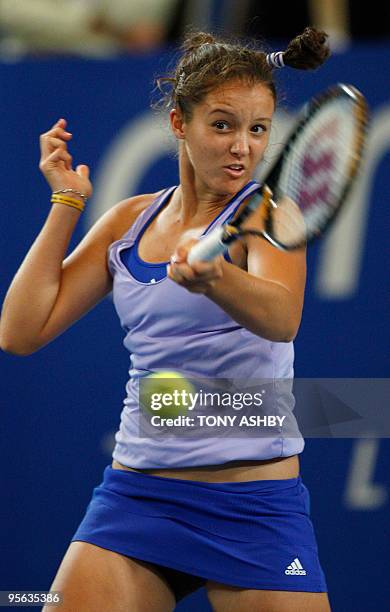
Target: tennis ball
<point x="166" y="390"/>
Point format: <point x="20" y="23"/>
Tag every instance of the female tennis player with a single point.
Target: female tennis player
<point x="176" y="513"/>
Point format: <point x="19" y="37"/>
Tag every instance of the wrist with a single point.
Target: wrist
<point x="68" y="201"/>
<point x="69" y="197"/>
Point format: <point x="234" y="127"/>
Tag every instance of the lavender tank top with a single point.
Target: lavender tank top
<point x="168" y="328"/>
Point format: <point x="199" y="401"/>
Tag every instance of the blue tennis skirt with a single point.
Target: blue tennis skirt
<point x="253" y="535"/>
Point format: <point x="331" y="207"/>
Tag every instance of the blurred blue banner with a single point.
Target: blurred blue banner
<point x="60" y="407"/>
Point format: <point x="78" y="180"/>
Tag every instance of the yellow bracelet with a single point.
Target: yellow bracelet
<point x="66" y="199"/>
<point x="57" y="199"/>
<point x="68" y="202"/>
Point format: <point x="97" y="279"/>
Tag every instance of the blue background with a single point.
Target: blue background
<point x="60" y="407"/>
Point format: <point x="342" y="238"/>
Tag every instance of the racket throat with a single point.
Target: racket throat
<point x="268" y="202"/>
<point x="230" y="234"/>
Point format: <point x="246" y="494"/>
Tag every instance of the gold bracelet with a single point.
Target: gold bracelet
<point x="57" y="199"/>
<point x="82" y="195"/>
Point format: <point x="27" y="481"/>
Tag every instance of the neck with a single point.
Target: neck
<point x="194" y="200"/>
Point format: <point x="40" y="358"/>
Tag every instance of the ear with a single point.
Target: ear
<point x="177" y="123"/>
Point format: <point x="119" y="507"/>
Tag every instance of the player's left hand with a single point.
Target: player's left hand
<point x="199" y="277"/>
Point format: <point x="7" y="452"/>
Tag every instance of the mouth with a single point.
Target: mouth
<point x="234" y="170"/>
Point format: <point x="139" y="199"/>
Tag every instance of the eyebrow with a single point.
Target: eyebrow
<point x="221" y="110"/>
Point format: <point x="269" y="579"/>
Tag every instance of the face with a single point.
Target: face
<point x="227" y="135"/>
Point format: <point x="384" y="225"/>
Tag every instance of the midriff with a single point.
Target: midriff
<point x="279" y="468"/>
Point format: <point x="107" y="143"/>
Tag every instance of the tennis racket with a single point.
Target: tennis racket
<point x="310" y="180"/>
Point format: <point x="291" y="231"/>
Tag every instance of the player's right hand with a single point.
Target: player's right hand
<point x="56" y="162"/>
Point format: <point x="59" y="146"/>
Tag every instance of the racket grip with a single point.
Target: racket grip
<point x="209" y="247"/>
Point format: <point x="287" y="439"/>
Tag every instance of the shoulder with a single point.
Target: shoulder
<point x="125" y="213"/>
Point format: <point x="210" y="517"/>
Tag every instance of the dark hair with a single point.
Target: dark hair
<point x="208" y="61"/>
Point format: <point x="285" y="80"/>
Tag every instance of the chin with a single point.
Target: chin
<point x="225" y="186"/>
<point x="232" y="185"/>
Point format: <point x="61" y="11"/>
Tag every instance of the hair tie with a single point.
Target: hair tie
<point x="180" y="80"/>
<point x="275" y="60"/>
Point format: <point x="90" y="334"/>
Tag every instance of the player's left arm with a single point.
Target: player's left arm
<point x="268" y="298"/>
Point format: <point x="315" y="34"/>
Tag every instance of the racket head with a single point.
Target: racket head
<point x="311" y="179"/>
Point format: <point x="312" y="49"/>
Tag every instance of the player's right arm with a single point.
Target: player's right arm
<point x="49" y="293"/>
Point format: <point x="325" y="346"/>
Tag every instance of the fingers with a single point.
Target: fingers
<point x="199" y="277"/>
<point x="58" y="130"/>
<point x="55" y="143"/>
<point x="182" y="252"/>
<point x="56" y="136"/>
<point x="199" y="270"/>
<point x="83" y="170"/>
<point x="61" y="122"/>
<point x="58" y="155"/>
<point x="56" y="161"/>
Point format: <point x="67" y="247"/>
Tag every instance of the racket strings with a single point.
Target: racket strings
<point x="315" y="169"/>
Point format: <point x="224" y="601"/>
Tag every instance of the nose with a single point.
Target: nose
<point x="240" y="146"/>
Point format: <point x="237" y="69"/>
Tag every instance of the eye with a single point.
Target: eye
<point x="220" y="125"/>
<point x="259" y="129"/>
